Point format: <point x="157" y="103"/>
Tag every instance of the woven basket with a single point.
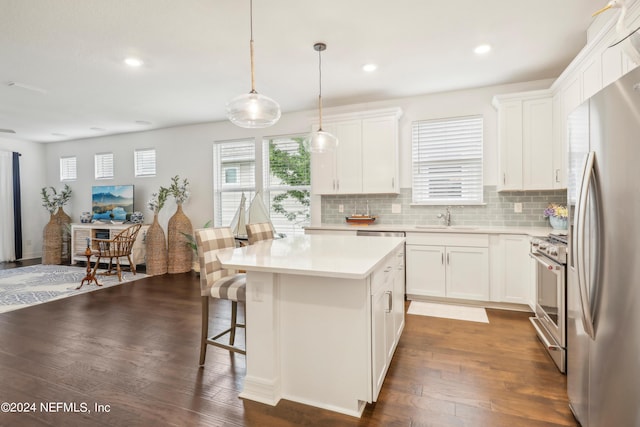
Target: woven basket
<point x="156" y="258"/>
<point x="64" y="222"/>
<point x="52" y="242"/>
<point x="180" y="254"/>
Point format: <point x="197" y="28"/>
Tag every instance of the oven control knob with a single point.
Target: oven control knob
<point x="535" y="242"/>
<point x="552" y="250"/>
<point x="543" y="245"/>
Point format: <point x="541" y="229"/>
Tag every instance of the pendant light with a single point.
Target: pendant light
<point x="252" y="110"/>
<point x="321" y="141"/>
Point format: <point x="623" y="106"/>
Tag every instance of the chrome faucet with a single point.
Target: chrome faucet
<point x="446" y="216"/>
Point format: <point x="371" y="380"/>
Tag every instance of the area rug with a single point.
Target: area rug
<point x="26" y="286"/>
<point x="448" y="311"/>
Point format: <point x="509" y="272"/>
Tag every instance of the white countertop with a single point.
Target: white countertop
<point x="347" y="257"/>
<point x="530" y="231"/>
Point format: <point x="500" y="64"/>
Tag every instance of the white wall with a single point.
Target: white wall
<point x="32" y="179"/>
<point x="188" y="150"/>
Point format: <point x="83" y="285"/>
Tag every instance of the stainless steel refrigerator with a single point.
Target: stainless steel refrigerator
<point x="603" y="274"/>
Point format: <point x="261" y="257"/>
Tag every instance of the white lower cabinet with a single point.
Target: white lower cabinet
<point x="448" y="265"/>
<point x="512" y="276"/>
<point x="387" y="315"/>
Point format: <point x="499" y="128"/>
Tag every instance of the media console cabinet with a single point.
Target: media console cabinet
<point x="80" y="233"/>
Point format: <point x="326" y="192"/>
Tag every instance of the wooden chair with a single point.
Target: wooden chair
<point x="259" y="231"/>
<point x="118" y="247"/>
<point x="217" y="282"/>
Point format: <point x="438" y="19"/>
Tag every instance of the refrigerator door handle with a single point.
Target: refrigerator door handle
<point x="583" y="197"/>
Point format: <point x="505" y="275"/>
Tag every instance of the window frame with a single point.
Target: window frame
<point x="142" y="160"/>
<point x="66" y="168"/>
<point x="99" y="166"/>
<point x="267" y="188"/>
<point x="449" y="143"/>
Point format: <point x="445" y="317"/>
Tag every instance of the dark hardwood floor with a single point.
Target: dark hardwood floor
<point x="135" y="348"/>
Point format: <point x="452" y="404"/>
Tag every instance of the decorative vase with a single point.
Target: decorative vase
<point x="64" y="221"/>
<point x="156" y="258"/>
<point x="558" y="223"/>
<point x="137" y="217"/>
<point x="86" y="217"/>
<point x="180" y="254"/>
<point x="52" y="242"/>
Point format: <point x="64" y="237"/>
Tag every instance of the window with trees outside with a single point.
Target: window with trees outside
<point x="287" y="183"/>
<point x="234" y="167"/>
<point x="447" y="161"/>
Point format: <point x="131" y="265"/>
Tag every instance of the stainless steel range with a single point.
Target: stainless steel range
<point x="550" y="254"/>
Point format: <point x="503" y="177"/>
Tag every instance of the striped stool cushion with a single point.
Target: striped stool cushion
<point x="259" y="231"/>
<point x="231" y="287"/>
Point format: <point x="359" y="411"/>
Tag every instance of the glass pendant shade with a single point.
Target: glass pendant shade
<point x="321" y="142"/>
<point x="253" y="111"/>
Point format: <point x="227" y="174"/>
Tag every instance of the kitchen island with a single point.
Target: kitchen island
<point x="324" y="315"/>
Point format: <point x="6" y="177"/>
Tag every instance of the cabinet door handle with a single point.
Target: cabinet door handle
<point x="389" y="302"/>
<point x="338" y="184"/>
<point x="504" y="178"/>
<point x="557" y="175"/>
<point x="448" y="261"/>
<point x="393" y="182"/>
<point x="442" y="257"/>
<point x="334" y="184"/>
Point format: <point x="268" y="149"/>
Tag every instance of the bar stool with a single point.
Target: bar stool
<point x="259" y="231"/>
<point x="217" y="282"/>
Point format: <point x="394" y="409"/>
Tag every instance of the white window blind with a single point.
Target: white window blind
<point x="104" y="166"/>
<point x="234" y="172"/>
<point x="68" y="171"/>
<point x="287" y="182"/>
<point x="447" y="161"/>
<point x="145" y="162"/>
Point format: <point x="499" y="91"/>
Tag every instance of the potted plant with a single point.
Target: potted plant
<point x="191" y="243"/>
<point x="156" y="241"/>
<point x="180" y="255"/>
<point x="558" y="216"/>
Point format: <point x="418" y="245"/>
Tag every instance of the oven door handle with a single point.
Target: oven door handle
<point x="549" y="266"/>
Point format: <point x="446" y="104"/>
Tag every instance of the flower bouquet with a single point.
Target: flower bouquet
<point x="558" y="216"/>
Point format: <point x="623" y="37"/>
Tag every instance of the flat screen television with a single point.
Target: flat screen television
<point x="112" y="202"/>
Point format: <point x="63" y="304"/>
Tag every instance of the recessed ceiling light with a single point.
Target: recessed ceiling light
<point x="482" y="49"/>
<point x="369" y="67"/>
<point x="133" y="62"/>
<point x="143" y="122"/>
<point x="97" y="129"/>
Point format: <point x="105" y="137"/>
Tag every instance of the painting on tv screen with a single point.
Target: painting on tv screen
<point x="112" y="202"/>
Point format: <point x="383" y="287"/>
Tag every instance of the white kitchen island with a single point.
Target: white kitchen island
<point x="324" y="315"/>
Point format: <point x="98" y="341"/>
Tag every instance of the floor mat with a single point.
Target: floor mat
<point x="448" y="311"/>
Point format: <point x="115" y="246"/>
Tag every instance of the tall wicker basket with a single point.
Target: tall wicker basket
<point x="180" y="254"/>
<point x="64" y="222"/>
<point x="156" y="259"/>
<point x="52" y="242"/>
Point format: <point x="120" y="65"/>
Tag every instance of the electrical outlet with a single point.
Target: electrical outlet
<point x="396" y="208"/>
<point x="517" y="207"/>
<point x="341" y="208"/>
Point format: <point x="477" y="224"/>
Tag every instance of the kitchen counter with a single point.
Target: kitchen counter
<point x="311" y="335"/>
<point x="530" y="231"/>
<point x="317" y="255"/>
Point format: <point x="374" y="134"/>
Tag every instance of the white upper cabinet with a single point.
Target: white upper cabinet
<point x="366" y="159"/>
<point x="525" y="140"/>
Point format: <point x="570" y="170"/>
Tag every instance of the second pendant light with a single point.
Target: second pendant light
<point x="321" y="141"/>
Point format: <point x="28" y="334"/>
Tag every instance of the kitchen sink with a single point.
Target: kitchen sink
<point x="444" y="227"/>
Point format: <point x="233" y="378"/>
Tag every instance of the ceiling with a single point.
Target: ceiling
<point x="62" y="74"/>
